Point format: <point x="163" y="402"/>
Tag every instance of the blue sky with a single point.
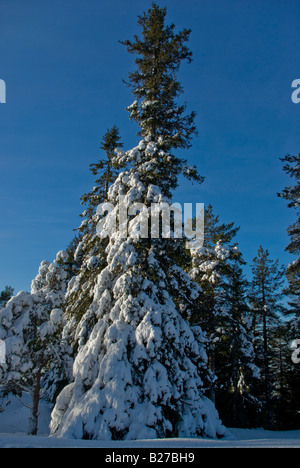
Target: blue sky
<point x="63" y="68"/>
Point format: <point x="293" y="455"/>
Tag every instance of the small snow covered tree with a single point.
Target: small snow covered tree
<point x="31" y="326"/>
<point x="141" y="371"/>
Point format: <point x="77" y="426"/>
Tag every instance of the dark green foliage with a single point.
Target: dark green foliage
<point x="105" y="170"/>
<point x="87" y="244"/>
<point x="265" y="299"/>
<point x="6" y="295"/>
<point x="234" y="360"/>
<point x="286" y="379"/>
<point x="287" y="397"/>
<point x="292" y="195"/>
<point x="292" y="168"/>
<point x="222" y="312"/>
<point x="211" y="265"/>
<point x="161" y="52"/>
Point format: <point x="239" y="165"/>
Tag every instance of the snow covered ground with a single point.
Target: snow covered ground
<point x="244" y="438"/>
<point x="14" y="421"/>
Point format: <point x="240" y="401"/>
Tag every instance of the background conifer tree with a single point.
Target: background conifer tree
<point x="221" y="312"/>
<point x="87" y="250"/>
<point x="106" y="171"/>
<point x="292" y="195"/>
<point x="210" y="267"/>
<point x="287" y="403"/>
<point x="235" y="365"/>
<point x="6" y="295"/>
<point x="266" y="309"/>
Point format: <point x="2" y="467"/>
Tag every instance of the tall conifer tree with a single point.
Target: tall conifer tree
<point x="289" y="393"/>
<point x="221" y="312"/>
<point x="265" y="298"/>
<point x="142" y="371"/>
<point x="235" y="358"/>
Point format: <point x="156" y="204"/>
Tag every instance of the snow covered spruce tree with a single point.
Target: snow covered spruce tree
<point x="31" y="326"/>
<point x="142" y="370"/>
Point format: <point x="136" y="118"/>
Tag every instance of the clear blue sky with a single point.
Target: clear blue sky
<point x="63" y="68"/>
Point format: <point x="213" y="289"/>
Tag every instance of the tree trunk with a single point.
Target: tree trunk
<point x="34" y="412"/>
<point x="267" y="373"/>
<point x="212" y="367"/>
